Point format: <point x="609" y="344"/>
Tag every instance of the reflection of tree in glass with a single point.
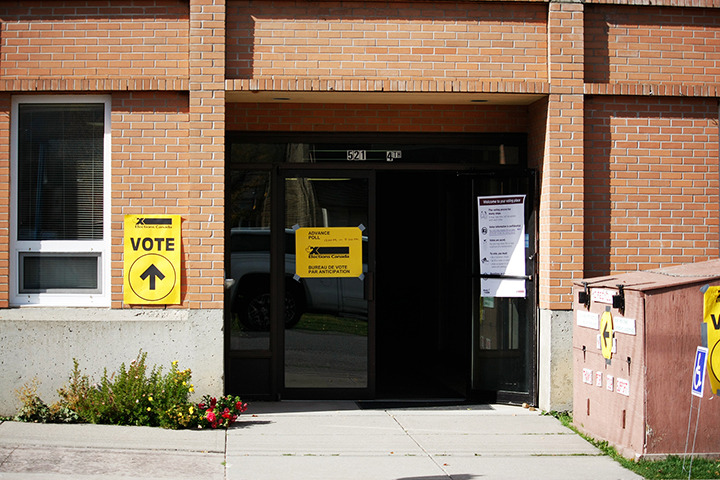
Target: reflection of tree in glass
<point x="250" y="199"/>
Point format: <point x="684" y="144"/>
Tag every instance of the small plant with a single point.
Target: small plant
<point x="33" y="408"/>
<point x="220" y="412"/>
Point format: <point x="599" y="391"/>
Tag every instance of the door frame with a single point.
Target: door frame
<point x="279" y="171"/>
<point x="277" y="289"/>
<point x="532" y="292"/>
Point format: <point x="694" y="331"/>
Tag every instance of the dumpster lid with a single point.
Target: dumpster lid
<point x="660" y="278"/>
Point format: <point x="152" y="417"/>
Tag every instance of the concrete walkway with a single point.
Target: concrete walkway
<point x="314" y="440"/>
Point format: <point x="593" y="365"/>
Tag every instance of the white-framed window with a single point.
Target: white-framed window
<point x="60" y="200"/>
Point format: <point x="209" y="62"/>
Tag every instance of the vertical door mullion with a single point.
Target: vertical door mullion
<point x="372" y="205"/>
<point x="277" y="287"/>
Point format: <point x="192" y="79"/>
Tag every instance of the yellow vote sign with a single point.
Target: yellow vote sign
<point x="152" y="259"/>
<point x="711" y="319"/>
<point x="328" y="252"/>
<point x="606" y="334"/>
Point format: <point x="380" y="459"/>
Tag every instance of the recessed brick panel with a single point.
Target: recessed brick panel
<point x="386" y="40"/>
<point x="651" y="183"/>
<point x="651" y="44"/>
<point x="94" y="39"/>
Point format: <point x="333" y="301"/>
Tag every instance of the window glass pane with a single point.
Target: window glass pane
<point x="501" y="345"/>
<point x="44" y="273"/>
<point x="60" y="171"/>
<point x="326" y="318"/>
<point x="249" y="296"/>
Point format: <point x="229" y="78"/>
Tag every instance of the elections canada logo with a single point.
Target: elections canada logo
<point x="328" y="252"/>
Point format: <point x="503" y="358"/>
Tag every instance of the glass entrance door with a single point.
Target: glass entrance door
<point x="503" y="350"/>
<point x="328" y="283"/>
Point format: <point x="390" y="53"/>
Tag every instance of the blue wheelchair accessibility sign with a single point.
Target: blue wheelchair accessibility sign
<point x="699" y="371"/>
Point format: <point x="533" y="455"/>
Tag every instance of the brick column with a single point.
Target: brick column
<point x="4" y="200"/>
<point x="203" y="229"/>
<point x="561" y="227"/>
<point x="561" y="203"/>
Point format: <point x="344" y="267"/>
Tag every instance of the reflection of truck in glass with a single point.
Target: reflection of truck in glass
<point x="250" y="292"/>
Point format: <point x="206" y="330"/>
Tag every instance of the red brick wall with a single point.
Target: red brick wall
<point x="561" y="191"/>
<point x="93" y="39"/>
<point x="150" y="172"/>
<point x="205" y="207"/>
<point x="651" y="44"/>
<point x="651" y="176"/>
<point x="375" y="118"/>
<point x="4" y="198"/>
<point x="386" y="40"/>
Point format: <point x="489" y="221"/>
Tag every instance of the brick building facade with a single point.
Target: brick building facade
<point x="614" y="104"/>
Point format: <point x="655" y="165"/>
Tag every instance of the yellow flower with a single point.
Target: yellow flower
<point x="150" y="398"/>
<point x="148" y="409"/>
<point x="175" y="362"/>
<point x="191" y="410"/>
<point x="191" y="389"/>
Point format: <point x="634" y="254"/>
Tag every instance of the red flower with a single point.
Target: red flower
<point x="213" y="402"/>
<point x="240" y="407"/>
<point x="210" y="416"/>
<point x="226" y="413"/>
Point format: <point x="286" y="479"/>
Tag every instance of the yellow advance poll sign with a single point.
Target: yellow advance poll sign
<point x="152" y="259"/>
<point x="328" y="252"/>
<point x="711" y="319"/>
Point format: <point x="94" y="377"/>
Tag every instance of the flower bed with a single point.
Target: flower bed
<point x="131" y="396"/>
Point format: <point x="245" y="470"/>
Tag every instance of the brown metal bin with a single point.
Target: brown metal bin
<point x="639" y="401"/>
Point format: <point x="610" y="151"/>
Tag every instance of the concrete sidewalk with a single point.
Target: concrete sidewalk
<point x="314" y="440"/>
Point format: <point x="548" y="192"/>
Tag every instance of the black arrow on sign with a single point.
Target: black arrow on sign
<point x="152" y="272"/>
<point x="606" y="334"/>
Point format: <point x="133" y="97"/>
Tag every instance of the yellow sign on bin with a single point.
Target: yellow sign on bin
<point x="328" y="252"/>
<point x="711" y="319"/>
<point x="606" y="335"/>
<point x="152" y="259"/>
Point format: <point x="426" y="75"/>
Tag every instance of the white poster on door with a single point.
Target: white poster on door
<point x="501" y="223"/>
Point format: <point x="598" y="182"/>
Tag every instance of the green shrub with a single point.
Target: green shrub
<point x="132" y="396"/>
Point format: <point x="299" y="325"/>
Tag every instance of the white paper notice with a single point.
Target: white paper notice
<point x="622" y="386"/>
<point x="588" y="319"/>
<point x="501" y="221"/>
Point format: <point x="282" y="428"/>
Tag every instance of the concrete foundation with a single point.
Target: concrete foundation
<point x="42" y="343"/>
<point x="555" y="361"/>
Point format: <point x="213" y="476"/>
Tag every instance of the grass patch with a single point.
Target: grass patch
<point x="330" y="323"/>
<point x="669" y="468"/>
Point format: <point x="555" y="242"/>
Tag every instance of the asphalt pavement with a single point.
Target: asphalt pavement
<point x="315" y="440"/>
